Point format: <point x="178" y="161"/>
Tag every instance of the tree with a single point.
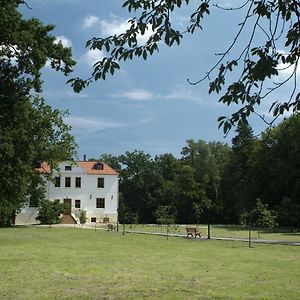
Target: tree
<point x="167" y="166"/>
<point x="236" y="182"/>
<point x="49" y="211"/>
<point x="140" y="184"/>
<point x="188" y="192"/>
<point x="275" y="165"/>
<point x="166" y="214"/>
<point x="289" y="213"/>
<point x="209" y="161"/>
<point x="112" y="161"/>
<point x="260" y="216"/>
<point x="263" y="217"/>
<point x="30" y="130"/>
<point x="204" y="209"/>
<point x="197" y="212"/>
<point x="273" y="47"/>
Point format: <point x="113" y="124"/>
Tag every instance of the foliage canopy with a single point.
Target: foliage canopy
<point x="261" y="65"/>
<point x="30" y="130"/>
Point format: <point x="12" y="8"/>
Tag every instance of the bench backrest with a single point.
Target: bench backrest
<point x="192" y="230"/>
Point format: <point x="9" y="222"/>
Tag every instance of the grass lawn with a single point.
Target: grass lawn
<point x="233" y="231"/>
<point x="66" y="263"/>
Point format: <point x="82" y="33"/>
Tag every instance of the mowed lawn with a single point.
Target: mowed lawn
<point x="229" y="231"/>
<point x="66" y="263"/>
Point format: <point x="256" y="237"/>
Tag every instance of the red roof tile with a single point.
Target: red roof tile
<point x="89" y="167"/>
<point x="45" y="168"/>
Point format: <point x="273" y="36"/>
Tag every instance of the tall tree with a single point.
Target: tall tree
<point x="208" y="160"/>
<point x="30" y="130"/>
<point x="275" y="168"/>
<point x="188" y="192"/>
<point x="167" y="166"/>
<point x="237" y="180"/>
<point x="273" y="28"/>
<point x="140" y="185"/>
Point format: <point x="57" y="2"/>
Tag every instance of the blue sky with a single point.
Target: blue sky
<point x="149" y="105"/>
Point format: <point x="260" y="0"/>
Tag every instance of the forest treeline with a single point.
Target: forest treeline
<point x="212" y="182"/>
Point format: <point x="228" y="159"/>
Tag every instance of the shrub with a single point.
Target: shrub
<point x="49" y="211"/>
<point x="81" y="215"/>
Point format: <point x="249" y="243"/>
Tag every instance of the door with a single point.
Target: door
<point x="68" y="209"/>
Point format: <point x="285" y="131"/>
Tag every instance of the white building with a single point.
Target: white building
<point x="88" y="186"/>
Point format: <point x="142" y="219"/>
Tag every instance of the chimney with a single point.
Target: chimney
<point x="84" y="157"/>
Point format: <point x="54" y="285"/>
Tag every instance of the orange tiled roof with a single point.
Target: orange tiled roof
<point x="89" y="168"/>
<point x="45" y="168"/>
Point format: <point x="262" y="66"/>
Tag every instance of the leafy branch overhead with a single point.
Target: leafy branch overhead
<point x="272" y="48"/>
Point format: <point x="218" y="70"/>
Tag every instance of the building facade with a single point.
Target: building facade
<point x="89" y="186"/>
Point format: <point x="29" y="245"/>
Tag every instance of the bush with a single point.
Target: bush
<point x="49" y="211"/>
<point x="81" y="215"/>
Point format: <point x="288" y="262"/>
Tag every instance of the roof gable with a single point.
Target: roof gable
<point x="89" y="167"/>
<point x="94" y="168"/>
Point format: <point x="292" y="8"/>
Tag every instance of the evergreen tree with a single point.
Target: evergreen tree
<point x="237" y="180"/>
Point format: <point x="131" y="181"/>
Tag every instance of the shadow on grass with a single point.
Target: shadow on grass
<point x="231" y="227"/>
<point x="292" y="234"/>
<point x="282" y="230"/>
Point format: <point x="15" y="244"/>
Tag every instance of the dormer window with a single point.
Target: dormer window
<point x="38" y="164"/>
<point x="98" y="166"/>
<point x="68" y="168"/>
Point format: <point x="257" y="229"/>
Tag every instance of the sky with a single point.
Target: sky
<point x="147" y="106"/>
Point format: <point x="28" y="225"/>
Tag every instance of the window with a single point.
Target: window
<point x="38" y="164"/>
<point x="77" y="203"/>
<point x="98" y="166"/>
<point x="100" y="182"/>
<point x="93" y="219"/>
<point x="100" y="203"/>
<point x="78" y="182"/>
<point x="68" y="182"/>
<point x="68" y="168"/>
<point x="57" y="181"/>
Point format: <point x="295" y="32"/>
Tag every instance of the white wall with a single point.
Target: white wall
<point x="87" y="193"/>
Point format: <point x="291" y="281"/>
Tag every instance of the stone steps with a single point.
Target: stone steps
<point x="67" y="219"/>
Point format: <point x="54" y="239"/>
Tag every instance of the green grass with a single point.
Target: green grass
<point x="233" y="231"/>
<point x="66" y="263"/>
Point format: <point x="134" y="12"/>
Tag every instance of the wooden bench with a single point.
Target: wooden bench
<point x="105" y="220"/>
<point x="111" y="227"/>
<point x="192" y="232"/>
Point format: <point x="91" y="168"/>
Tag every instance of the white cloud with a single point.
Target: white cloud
<point x="137" y="95"/>
<point x="228" y="4"/>
<point x="182" y="93"/>
<point x="88" y="125"/>
<point x="65" y="41"/>
<point x="93" y="56"/>
<point x="287" y="70"/>
<point x="114" y="26"/>
<point x="90" y="21"/>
